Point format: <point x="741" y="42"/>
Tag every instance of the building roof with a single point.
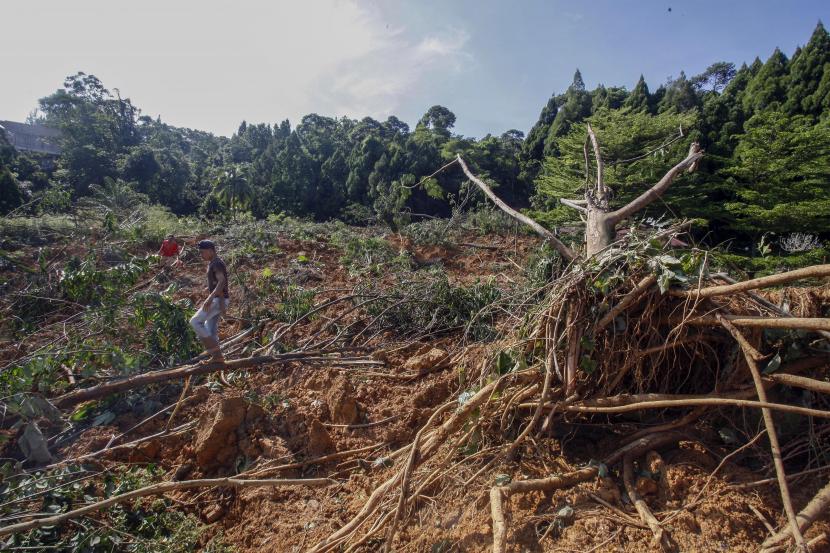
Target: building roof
<point x="32" y="138"/>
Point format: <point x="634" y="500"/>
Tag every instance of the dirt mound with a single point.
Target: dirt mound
<point x="216" y="443"/>
<point x="341" y="401"/>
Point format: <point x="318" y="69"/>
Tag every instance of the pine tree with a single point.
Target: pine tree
<point x="767" y="88"/>
<point x="807" y="70"/>
<point x="680" y="96"/>
<point x="638" y="100"/>
<point x="575" y="108"/>
<point x="535" y="142"/>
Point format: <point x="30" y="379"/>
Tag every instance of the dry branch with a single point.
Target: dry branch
<point x="661" y="537"/>
<point x="816" y="271"/>
<point x="500" y="493"/>
<point x="796" y="323"/>
<point x="808" y="515"/>
<point x="636" y="402"/>
<point x="630" y="298"/>
<point x="775" y="447"/>
<point x="158" y="489"/>
<point x="144" y="379"/>
<point x="653" y="193"/>
<point x="560" y="246"/>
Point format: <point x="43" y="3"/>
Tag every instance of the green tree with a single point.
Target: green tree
<point x="639" y="99"/>
<point x="232" y="186"/>
<point x="768" y="87"/>
<point x="808" y="76"/>
<point x="781" y="175"/>
<point x="638" y="148"/>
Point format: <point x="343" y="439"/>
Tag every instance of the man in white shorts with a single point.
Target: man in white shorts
<point x="206" y="320"/>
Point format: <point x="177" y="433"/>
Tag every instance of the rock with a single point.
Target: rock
<point x="608" y="491"/>
<point x="182" y="472"/>
<point x="146" y="451"/>
<point x="435" y="358"/>
<point x="340" y="398"/>
<point x="274" y="447"/>
<point x="215" y="442"/>
<point x="319" y="441"/>
<point x="213" y="513"/>
<point x="33" y="445"/>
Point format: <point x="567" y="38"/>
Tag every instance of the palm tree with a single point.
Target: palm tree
<point x="232" y="186"/>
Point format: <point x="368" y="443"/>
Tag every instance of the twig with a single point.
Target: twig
<point x="661" y="537"/>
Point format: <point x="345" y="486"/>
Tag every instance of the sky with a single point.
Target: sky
<point x="208" y="65"/>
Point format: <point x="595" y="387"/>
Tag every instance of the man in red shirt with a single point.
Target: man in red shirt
<point x="170" y="251"/>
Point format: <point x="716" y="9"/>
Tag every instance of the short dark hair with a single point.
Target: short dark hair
<point x="207" y="245"/>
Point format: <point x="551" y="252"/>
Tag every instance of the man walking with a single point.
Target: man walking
<point x="206" y="320"/>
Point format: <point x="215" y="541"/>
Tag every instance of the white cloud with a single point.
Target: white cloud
<point x="209" y="64"/>
<point x="376" y="84"/>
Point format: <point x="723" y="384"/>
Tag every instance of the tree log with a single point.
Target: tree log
<point x="158" y="489"/>
<point x="77" y="396"/>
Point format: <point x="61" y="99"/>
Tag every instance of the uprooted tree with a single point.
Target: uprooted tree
<point x="608" y="336"/>
<point x="627" y="328"/>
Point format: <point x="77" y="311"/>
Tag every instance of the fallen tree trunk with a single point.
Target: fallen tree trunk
<point x="129" y="383"/>
<point x="158" y="489"/>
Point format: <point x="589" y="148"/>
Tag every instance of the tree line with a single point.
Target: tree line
<point x="765" y="128"/>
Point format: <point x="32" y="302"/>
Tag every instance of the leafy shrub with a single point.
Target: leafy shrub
<point x="766" y="265"/>
<point x="370" y="255"/>
<point x="150" y="224"/>
<point x="84" y="282"/>
<point x="165" y="322"/>
<point x="430" y="303"/>
<point x="141" y="527"/>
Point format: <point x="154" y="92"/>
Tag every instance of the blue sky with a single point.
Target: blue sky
<point x="208" y="64"/>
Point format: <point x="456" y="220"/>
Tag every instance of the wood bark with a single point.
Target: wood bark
<point x="601" y="224"/>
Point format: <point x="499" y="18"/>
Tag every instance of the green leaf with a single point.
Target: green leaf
<point x="773" y="364"/>
<point x="668" y="260"/>
<point x="502" y="479"/>
<point x="587" y="364"/>
<point x="504" y="363"/>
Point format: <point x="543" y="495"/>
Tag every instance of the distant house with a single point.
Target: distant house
<point x="32" y="138"/>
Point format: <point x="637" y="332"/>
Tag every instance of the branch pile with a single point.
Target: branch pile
<point x="609" y="338"/>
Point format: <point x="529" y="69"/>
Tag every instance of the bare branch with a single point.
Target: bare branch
<point x="573" y="205"/>
<point x="816" y="271"/>
<point x="647" y="197"/>
<point x="750" y="354"/>
<point x="595" y="144"/>
<point x="560" y="246"/>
